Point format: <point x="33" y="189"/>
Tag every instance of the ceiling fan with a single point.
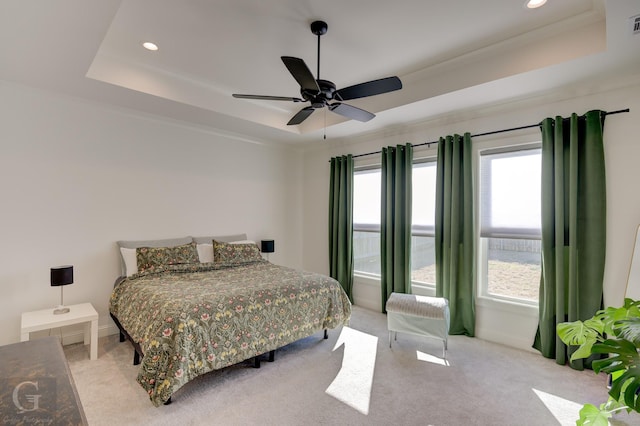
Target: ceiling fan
<point x="323" y="93"/>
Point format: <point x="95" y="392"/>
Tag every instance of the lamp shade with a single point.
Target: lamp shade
<point x="267" y="246"/>
<point x="62" y="275"/>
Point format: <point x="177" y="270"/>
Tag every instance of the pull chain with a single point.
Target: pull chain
<point x="325" y="124"/>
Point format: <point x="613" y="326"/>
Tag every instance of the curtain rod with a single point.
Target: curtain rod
<point x="485" y="134"/>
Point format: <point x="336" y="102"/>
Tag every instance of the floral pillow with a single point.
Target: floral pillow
<point x="153" y="259"/>
<point x="235" y="253"/>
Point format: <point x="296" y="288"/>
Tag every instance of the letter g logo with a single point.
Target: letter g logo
<point x="32" y="399"/>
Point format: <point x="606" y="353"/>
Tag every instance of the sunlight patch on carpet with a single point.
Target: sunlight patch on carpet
<point x="352" y="384"/>
<point x="565" y="411"/>
<point x="421" y="356"/>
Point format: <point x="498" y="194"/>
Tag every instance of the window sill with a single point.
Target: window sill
<point x="372" y="279"/>
<point x="367" y="278"/>
<point x="522" y="309"/>
<point x="508" y="306"/>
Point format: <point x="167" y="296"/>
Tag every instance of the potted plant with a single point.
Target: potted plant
<point x="614" y="332"/>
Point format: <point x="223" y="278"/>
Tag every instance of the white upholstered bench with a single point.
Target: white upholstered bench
<point x="420" y="315"/>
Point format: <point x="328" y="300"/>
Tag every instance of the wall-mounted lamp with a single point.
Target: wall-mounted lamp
<point x="61" y="276"/>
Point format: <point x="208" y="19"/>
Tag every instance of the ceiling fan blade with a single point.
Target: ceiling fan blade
<point x="301" y="73"/>
<point x="267" y="98"/>
<point x="370" y="88"/>
<point x="350" y="111"/>
<point x="300" y="116"/>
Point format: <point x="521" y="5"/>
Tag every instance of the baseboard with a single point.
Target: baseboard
<point x="505" y="339"/>
<point x="77" y="335"/>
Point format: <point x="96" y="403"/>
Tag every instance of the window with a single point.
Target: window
<point x="423" y="216"/>
<point x="366" y="221"/>
<point x="510" y="215"/>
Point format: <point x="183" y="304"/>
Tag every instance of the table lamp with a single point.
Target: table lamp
<point x="267" y="246"/>
<point x="61" y="276"/>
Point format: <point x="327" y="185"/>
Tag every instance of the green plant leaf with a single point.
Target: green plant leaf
<point x="584" y="351"/>
<point x="630" y="304"/>
<point x="582" y="333"/>
<point x="628" y="385"/>
<point x="624" y="357"/>
<point x="611" y="315"/>
<point x="579" y="332"/>
<point x="598" y="416"/>
<point x="593" y="416"/>
<point x="623" y="354"/>
<point x="628" y="329"/>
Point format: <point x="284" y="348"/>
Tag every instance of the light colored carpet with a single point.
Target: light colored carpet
<point x="361" y="382"/>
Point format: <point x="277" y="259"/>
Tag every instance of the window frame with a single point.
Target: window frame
<point x="416" y="230"/>
<point x="366" y="227"/>
<point x="482" y="238"/>
<point x="422" y="230"/>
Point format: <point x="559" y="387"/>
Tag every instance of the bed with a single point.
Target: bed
<point x="189" y="311"/>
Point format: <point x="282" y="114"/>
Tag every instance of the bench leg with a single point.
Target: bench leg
<point x="272" y="355"/>
<point x="395" y="336"/>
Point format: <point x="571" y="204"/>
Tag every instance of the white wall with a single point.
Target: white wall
<point x="75" y="177"/>
<point x="503" y="323"/>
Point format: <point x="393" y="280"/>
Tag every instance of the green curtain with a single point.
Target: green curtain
<point x="395" y="221"/>
<point x="573" y="227"/>
<point x="341" y="222"/>
<point x="455" y="231"/>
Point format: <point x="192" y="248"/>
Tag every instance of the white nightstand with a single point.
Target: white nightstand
<point x="45" y="319"/>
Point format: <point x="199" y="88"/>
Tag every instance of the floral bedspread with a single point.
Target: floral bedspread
<point x="192" y="319"/>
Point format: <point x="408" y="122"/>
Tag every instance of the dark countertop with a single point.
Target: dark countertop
<point x="36" y="386"/>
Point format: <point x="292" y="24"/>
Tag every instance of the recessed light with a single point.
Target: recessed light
<point x="533" y="4"/>
<point x="150" y="46"/>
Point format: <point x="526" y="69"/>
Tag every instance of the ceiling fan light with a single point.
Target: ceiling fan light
<point x="150" y="46"/>
<point x="534" y="4"/>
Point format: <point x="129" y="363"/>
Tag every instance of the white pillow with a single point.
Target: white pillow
<point x="243" y="242"/>
<point x="130" y="260"/>
<point x="205" y="252"/>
